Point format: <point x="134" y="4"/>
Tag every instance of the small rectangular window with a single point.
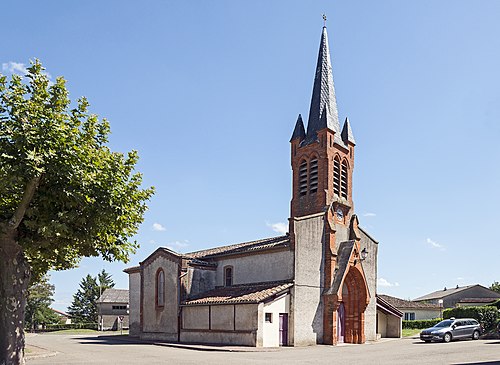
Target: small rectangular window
<point x="269" y="318"/>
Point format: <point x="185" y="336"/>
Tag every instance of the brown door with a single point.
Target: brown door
<point x="283" y="329"/>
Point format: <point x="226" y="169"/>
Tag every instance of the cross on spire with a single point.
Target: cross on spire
<point x="324" y="20"/>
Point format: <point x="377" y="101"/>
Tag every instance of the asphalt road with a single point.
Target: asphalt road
<point x="84" y="349"/>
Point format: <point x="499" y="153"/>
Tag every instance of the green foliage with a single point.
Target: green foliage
<point x="496" y="304"/>
<point x="486" y="315"/>
<point x="84" y="305"/>
<point x="71" y="326"/>
<point x="420" y="323"/>
<point x="495" y="286"/>
<point x="38" y="304"/>
<point x="71" y="195"/>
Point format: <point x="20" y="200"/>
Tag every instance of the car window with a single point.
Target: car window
<point x="445" y="323"/>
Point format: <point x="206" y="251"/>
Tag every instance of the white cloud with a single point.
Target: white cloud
<point x="15" y="67"/>
<point x="19" y="68"/>
<point x="369" y="215"/>
<point x="279" y="227"/>
<point x="158" y="227"/>
<point x="435" y="244"/>
<point x="384" y="283"/>
<point x="178" y="245"/>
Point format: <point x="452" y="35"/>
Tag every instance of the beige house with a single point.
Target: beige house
<point x="112" y="309"/>
<point x="451" y="297"/>
<point x="413" y="310"/>
<point x="314" y="285"/>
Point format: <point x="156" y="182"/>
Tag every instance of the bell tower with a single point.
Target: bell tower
<point x="323" y="158"/>
<point x="330" y="292"/>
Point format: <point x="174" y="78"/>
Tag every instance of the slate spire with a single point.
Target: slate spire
<point x="323" y="96"/>
<point x="299" y="131"/>
<point x="347" y="135"/>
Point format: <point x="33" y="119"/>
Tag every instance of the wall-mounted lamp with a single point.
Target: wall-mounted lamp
<point x="364" y="254"/>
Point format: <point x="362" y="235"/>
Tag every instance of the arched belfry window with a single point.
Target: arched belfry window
<point x="344" y="179"/>
<point x="228" y="276"/>
<point x="313" y="176"/>
<point x="336" y="176"/>
<point x="160" y="288"/>
<point x="303" y="178"/>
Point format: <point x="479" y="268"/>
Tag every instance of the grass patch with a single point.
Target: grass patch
<point x="410" y="332"/>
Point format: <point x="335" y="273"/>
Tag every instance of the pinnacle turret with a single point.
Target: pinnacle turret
<point x="347" y="135"/>
<point x="299" y="130"/>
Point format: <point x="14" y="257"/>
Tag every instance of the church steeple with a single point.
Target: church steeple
<point x="323" y="111"/>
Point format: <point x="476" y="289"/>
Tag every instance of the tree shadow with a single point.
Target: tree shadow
<point x="109" y="340"/>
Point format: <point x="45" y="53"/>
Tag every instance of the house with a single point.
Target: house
<point x="64" y="317"/>
<point x="314" y="285"/>
<point x="451" y="297"/>
<point x="112" y="309"/>
<point x="413" y="310"/>
<point x="389" y="319"/>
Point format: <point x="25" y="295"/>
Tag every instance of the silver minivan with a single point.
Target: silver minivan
<point x="451" y="329"/>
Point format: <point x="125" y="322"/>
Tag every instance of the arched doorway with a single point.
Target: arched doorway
<point x="354" y="301"/>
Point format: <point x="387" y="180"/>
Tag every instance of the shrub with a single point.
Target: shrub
<point x="71" y="326"/>
<point x="420" y="324"/>
<point x="486" y="315"/>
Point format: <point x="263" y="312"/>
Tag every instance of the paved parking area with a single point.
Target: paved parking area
<point x="84" y="349"/>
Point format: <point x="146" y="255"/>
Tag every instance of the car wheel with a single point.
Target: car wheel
<point x="475" y="335"/>
<point x="447" y="337"/>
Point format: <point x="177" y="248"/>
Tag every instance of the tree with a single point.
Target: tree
<point x="84" y="305"/>
<point x="495" y="286"/>
<point x="64" y="194"/>
<point x="38" y="303"/>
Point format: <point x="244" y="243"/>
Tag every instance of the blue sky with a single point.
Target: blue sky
<point x="208" y="93"/>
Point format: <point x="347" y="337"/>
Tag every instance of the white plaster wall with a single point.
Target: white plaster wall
<point x="163" y="319"/>
<point x="270" y="331"/>
<point x="134" y="295"/>
<point x="272" y="266"/>
<point x="306" y="311"/>
<point x="195" y="317"/>
<point x="424" y="313"/>
<point x="370" y="270"/>
<point x="382" y="324"/>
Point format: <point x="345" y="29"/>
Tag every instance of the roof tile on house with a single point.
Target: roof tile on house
<point x="406" y="304"/>
<point x="439" y="294"/>
<point x="245" y="247"/>
<point x="477" y="300"/>
<point x="112" y="295"/>
<point x="244" y="293"/>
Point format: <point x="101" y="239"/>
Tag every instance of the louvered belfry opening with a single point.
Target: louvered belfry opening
<point x="313" y="176"/>
<point x="344" y="180"/>
<point x="303" y="178"/>
<point x="336" y="176"/>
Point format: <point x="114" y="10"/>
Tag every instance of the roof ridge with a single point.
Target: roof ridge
<point x="199" y="253"/>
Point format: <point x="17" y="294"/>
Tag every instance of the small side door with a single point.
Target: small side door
<point x="283" y="329"/>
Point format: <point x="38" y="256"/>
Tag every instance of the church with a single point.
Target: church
<point x="314" y="285"/>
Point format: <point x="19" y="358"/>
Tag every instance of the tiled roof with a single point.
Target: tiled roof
<point x="406" y="304"/>
<point x="439" y="294"/>
<point x="245" y="247"/>
<point x="114" y="296"/>
<point x="387" y="307"/>
<point x="244" y="293"/>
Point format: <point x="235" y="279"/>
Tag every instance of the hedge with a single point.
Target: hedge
<point x="486" y="315"/>
<point x="71" y="326"/>
<point x="420" y="324"/>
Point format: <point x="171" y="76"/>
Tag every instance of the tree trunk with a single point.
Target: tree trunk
<point x="14" y="281"/>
